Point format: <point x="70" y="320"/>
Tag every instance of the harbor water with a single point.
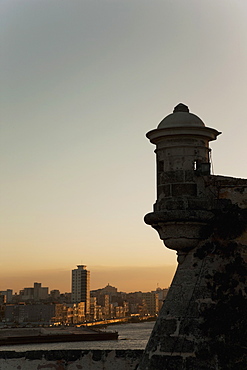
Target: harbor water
<point x="131" y="336"/>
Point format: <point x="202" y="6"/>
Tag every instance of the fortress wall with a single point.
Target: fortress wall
<point x="93" y="360"/>
<point x="71" y="360"/>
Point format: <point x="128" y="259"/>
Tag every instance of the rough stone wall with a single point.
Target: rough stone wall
<point x="70" y="360"/>
<point x="93" y="360"/>
<point x="203" y="218"/>
<point x="204" y="315"/>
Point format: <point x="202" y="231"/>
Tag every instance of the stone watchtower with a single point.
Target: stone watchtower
<point x="204" y="218"/>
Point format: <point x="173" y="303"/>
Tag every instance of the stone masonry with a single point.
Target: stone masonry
<point x="202" y="324"/>
<point x="70" y="360"/>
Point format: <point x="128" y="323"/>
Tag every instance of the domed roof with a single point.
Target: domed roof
<point x="181" y="117"/>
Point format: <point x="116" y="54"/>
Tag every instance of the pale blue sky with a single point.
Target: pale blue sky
<point x="82" y="82"/>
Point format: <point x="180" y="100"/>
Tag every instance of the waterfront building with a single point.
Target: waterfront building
<point x="81" y="287"/>
<point x="60" y="316"/>
<point x="93" y="308"/>
<point x="7" y="295"/>
<point x="29" y="313"/>
<point x="151" y="303"/>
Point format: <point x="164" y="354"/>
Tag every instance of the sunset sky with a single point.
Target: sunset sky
<point x="82" y="81"/>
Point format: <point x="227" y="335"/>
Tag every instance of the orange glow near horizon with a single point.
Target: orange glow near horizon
<point x="126" y="279"/>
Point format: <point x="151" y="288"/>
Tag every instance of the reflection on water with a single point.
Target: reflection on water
<point x="131" y="336"/>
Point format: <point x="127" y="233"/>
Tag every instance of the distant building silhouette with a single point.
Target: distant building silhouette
<point x="36" y="293"/>
<point x="6" y="295"/>
<point x="108" y="289"/>
<point x="81" y="287"/>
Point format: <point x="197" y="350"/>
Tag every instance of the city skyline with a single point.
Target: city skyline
<point x="36" y="305"/>
<point x="105" y="276"/>
<point x="82" y="83"/>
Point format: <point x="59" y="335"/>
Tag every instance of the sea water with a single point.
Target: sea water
<point x="131" y="336"/>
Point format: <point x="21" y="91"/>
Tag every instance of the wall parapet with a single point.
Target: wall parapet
<point x="71" y="359"/>
<point x="95" y="360"/>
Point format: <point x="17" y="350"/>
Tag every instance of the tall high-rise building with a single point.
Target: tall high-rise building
<point x="81" y="287"/>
